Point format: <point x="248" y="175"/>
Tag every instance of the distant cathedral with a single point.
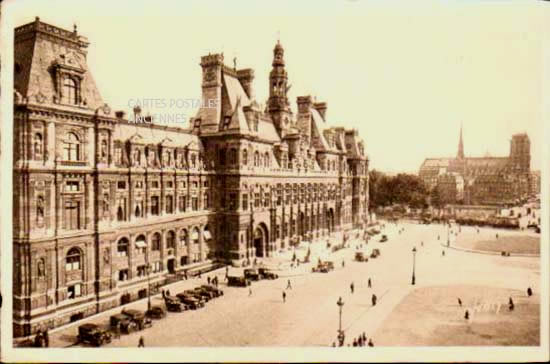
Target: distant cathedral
<point x="483" y="180"/>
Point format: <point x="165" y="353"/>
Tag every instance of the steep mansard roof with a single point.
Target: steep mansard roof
<point x="38" y="49"/>
<point x="151" y="134"/>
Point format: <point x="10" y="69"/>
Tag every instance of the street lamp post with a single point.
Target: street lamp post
<point x="414" y="264"/>
<point x="148" y="268"/>
<point x="341" y="336"/>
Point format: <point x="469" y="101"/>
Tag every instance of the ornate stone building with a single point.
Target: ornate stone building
<point x="102" y="203"/>
<point x="485" y="180"/>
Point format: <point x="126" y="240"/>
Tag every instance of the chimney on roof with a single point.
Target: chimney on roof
<point x="321" y="108"/>
<point x="304" y="103"/>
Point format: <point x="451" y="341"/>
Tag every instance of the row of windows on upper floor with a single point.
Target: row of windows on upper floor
<point x="72" y="152"/>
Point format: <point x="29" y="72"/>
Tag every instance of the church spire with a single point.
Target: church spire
<point x="460" y="154"/>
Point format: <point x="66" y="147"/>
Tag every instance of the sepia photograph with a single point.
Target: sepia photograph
<point x="348" y="180"/>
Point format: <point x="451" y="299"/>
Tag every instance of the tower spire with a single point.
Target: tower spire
<point x="460" y="154"/>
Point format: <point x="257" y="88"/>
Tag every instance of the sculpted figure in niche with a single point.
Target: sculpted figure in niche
<point x="137" y="157"/>
<point x="41" y="268"/>
<point x="38" y="145"/>
<point x="40" y="211"/>
<point x="104" y="150"/>
<point x="105" y="206"/>
<point x="151" y="158"/>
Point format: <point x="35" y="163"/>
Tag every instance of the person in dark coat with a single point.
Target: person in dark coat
<point x="364" y="337"/>
<point x="163" y="294"/>
<point x="529" y="292"/>
<point x="141" y="343"/>
<point x="351" y="286"/>
<point x="208" y="279"/>
<point x="373" y="299"/>
<point x="354" y="342"/>
<point x="370" y="343"/>
<point x="466" y="315"/>
<point x="288" y="285"/>
<point x="46" y="338"/>
<point x="510" y="304"/>
<point x="370" y="283"/>
<point x="459" y="302"/>
<point x="284" y="296"/>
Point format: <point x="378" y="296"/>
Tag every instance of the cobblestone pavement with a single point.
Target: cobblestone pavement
<point x="310" y="315"/>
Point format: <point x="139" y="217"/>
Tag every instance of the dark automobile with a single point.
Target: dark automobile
<point x="139" y="318"/>
<point x="384" y="238"/>
<point x="174" y="305"/>
<point x="201" y="296"/>
<point x="217" y="292"/>
<point x="124" y="323"/>
<point x="360" y="257"/>
<point x="238" y="281"/>
<point x="205" y="293"/>
<point x="252" y="274"/>
<point x="156" y="312"/>
<point x="93" y="334"/>
<point x="320" y="268"/>
<point x="267" y="274"/>
<point x="190" y="301"/>
<point x="375" y="253"/>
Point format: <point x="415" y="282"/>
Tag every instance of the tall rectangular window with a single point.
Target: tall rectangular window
<point x="155" y="205"/>
<point x="256" y="200"/>
<point x="169" y="205"/>
<point x="72" y="215"/>
<point x="195" y="204"/>
<point x="245" y="201"/>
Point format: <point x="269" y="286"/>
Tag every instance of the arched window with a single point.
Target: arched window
<point x="70" y="88"/>
<point x="37" y="145"/>
<point x="71" y="147"/>
<point x="183" y="238"/>
<point x="169" y="204"/>
<point x="72" y="261"/>
<point x="245" y="157"/>
<point x="266" y="159"/>
<point x="138" y="211"/>
<point x="141" y="244"/>
<point x="122" y="247"/>
<point x="155" y="242"/>
<point x="171" y="240"/>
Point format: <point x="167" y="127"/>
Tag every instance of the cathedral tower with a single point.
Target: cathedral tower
<point x="520" y="152"/>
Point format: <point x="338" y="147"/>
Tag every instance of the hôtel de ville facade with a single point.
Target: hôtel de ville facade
<point x="101" y="203"/>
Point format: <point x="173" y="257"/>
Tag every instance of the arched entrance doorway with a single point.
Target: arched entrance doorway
<point x="260" y="241"/>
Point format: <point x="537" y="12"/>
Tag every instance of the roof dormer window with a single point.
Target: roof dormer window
<point x="70" y="91"/>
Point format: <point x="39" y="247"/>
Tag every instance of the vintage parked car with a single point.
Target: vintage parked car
<point x="93" y="334"/>
<point x="238" y="281"/>
<point x="252" y="274"/>
<point x="156" y="312"/>
<point x="375" y="253"/>
<point x="207" y="294"/>
<point x="190" y="301"/>
<point x="384" y="238"/>
<point x="218" y="292"/>
<point x="267" y="274"/>
<point x="360" y="257"/>
<point x="173" y="304"/>
<point x="330" y="265"/>
<point x="124" y="323"/>
<point x="139" y="318"/>
<point x="198" y="295"/>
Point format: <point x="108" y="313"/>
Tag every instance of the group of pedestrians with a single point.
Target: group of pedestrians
<point x="42" y="339"/>
<point x="361" y="340"/>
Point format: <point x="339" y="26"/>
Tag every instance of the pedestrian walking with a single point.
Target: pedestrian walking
<point x="284" y="296"/>
<point x="443" y="253"/>
<point x="141" y="343"/>
<point x="466" y="315"/>
<point x="249" y="292"/>
<point x="288" y="285"/>
<point x="421" y="243"/>
<point x="208" y="279"/>
<point x="373" y="299"/>
<point x="354" y="342"/>
<point x="351" y="287"/>
<point x="370" y="343"/>
<point x="343" y="263"/>
<point x="459" y="302"/>
<point x="364" y="337"/>
<point x="369" y="283"/>
<point x="529" y="292"/>
<point x="511" y="304"/>
<point x="46" y="338"/>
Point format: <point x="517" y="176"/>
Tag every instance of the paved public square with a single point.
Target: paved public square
<point x="309" y="317"/>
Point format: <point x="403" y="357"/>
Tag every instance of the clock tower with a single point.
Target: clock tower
<point x="277" y="104"/>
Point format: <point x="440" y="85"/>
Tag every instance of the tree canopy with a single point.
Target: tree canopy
<point x="407" y="189"/>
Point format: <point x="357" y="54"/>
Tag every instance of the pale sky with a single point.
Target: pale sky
<point x="406" y="77"/>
